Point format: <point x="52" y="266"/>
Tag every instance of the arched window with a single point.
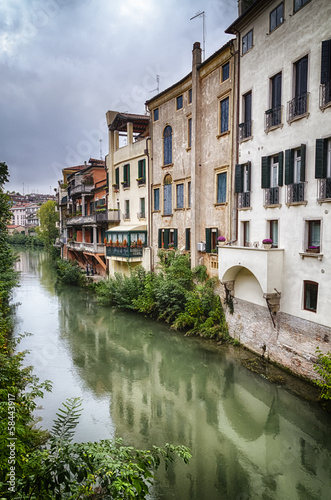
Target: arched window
<point x="167" y="145"/>
<point x="167" y="195"/>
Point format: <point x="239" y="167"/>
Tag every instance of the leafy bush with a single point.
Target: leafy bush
<point x="70" y="273"/>
<point x="323" y="368"/>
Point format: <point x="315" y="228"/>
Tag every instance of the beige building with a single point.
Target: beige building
<point x="192" y="158"/>
<point x="128" y="173"/>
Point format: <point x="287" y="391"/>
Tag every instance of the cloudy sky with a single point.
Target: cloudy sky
<point x="64" y="63"/>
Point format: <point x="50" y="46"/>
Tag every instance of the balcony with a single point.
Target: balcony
<point x="324" y="189"/>
<point x="273" y="118"/>
<point x="271" y="196"/>
<point x="86" y="247"/>
<point x="98" y="217"/>
<point x="265" y="265"/>
<point x="298" y="107"/>
<point x="81" y="189"/>
<point x="325" y="95"/>
<point x="244" y="200"/>
<point x="296" y="193"/>
<point x="124" y="252"/>
<point x="245" y="130"/>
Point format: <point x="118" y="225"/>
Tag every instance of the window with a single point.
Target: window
<point x="189" y="194"/>
<point x="224" y="115"/>
<point x="274" y="114"/>
<point x="127" y="209"/>
<point x="167" y="195"/>
<point x="141" y="172"/>
<point x="245" y="128"/>
<point x="323" y="167"/>
<point x="299" y="104"/>
<point x="310" y="295"/>
<point x="247" y="42"/>
<point x="117" y="178"/>
<point x="295" y="166"/>
<point x="325" y="97"/>
<point x="142" y="213"/>
<point x="167" y="237"/>
<point x="272" y="177"/>
<point x="190" y="96"/>
<point x="189" y="132"/>
<point x="126" y="175"/>
<point x="314" y="235"/>
<point x="156" y="114"/>
<point x="211" y="239"/>
<point x="156" y="199"/>
<point x="179" y="102"/>
<point x="180" y="196"/>
<point x="188" y="239"/>
<point x="273" y="224"/>
<point x="167" y="145"/>
<point x="225" y="71"/>
<point x="243" y="184"/>
<point x="299" y="3"/>
<point x="221" y="188"/>
<point x="245" y="227"/>
<point x="277" y="16"/>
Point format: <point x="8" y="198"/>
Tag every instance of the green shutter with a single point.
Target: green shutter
<point x="303" y="163"/>
<point x="289" y="166"/>
<point x="159" y="243"/>
<point x="280" y="168"/>
<point x="320" y="158"/>
<point x="144" y="169"/>
<point x="238" y="179"/>
<point x="175" y="238"/>
<point x="208" y="239"/>
<point x="265" y="172"/>
<point x="166" y="238"/>
<point x="117" y="176"/>
<point x="187" y="238"/>
<point x="128" y="179"/>
<point x="249" y="175"/>
<point x="325" y="61"/>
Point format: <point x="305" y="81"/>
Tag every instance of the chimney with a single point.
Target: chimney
<point x="196" y="54"/>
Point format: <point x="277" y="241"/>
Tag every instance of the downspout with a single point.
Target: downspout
<point x="237" y="53"/>
<point x="149" y="209"/>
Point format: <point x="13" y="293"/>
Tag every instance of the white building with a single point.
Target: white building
<point x="281" y="296"/>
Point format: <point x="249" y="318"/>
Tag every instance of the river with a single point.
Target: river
<point x="250" y="438"/>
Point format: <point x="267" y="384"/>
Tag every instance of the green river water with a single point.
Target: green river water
<point x="250" y="438"/>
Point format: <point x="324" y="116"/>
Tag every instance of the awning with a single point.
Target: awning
<point x="126" y="229"/>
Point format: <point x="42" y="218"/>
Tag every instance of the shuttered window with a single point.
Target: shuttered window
<point x="221" y="188"/>
<point x="126" y="175"/>
<point x="242" y="178"/>
<point x="326" y="62"/>
<point x="321" y="157"/>
<point x="167" y="195"/>
<point x="295" y="165"/>
<point x="180" y="196"/>
<point x="224" y="115"/>
<point x="142" y="170"/>
<point x="269" y="175"/>
<point x="156" y="199"/>
<point x="187" y="239"/>
<point x="167" y="145"/>
<point x="117" y="176"/>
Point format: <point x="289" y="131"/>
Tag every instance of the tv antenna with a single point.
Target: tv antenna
<point x="158" y="84"/>
<point x="201" y="14"/>
<point x="100" y="141"/>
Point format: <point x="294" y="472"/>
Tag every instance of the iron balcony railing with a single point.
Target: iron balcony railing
<point x="324" y="191"/>
<point x="245" y="130"/>
<point x="273" y="117"/>
<point x="141" y="215"/>
<point x="296" y="192"/>
<point x="106" y="216"/>
<point x="298" y="106"/>
<point x="244" y="200"/>
<point x="271" y="196"/>
<point x="126" y="252"/>
<point x="325" y="95"/>
<point x="86" y="247"/>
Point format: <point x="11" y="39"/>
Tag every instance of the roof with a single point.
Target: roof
<point x="119" y="121"/>
<point x="232" y="28"/>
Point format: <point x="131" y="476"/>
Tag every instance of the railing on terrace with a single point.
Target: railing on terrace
<point x="244" y="200"/>
<point x="106" y="216"/>
<point x="296" y="192"/>
<point x="271" y="196"/>
<point x="273" y="117"/>
<point x="325" y="95"/>
<point x="298" y="106"/>
<point x="81" y="189"/>
<point x="86" y="247"/>
<point x="324" y="189"/>
<point x="245" y="130"/>
<point x="127" y="252"/>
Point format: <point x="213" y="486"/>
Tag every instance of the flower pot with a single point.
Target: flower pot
<point x="267" y="246"/>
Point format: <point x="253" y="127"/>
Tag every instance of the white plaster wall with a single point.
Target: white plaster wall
<point x="302" y="33"/>
<point x="248" y="288"/>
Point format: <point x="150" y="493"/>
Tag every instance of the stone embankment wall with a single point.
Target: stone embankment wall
<point x="292" y="342"/>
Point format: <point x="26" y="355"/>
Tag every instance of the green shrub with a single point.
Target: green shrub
<point x="323" y="368"/>
<point x="70" y="273"/>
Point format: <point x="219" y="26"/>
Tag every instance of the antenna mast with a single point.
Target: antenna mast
<point x="100" y="141"/>
<point x="202" y="14"/>
<point x="158" y="84"/>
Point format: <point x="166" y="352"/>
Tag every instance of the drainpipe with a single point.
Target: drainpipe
<point x="149" y="204"/>
<point x="237" y="97"/>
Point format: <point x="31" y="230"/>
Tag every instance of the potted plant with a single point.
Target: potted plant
<point x="221" y="240"/>
<point x="171" y="246"/>
<point x="267" y="243"/>
<point x="313" y="249"/>
<point x="125" y="243"/>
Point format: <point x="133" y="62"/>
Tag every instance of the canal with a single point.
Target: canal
<point x="250" y="438"/>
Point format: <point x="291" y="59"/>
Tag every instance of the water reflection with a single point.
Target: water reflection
<point x="249" y="438"/>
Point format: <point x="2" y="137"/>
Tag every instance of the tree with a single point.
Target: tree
<point x="48" y="217"/>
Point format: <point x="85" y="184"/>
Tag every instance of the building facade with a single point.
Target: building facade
<point x="192" y="158"/>
<point x="281" y="296"/>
